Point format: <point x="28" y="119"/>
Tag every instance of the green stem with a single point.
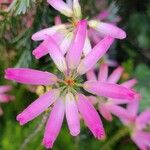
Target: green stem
<point x="120" y="134"/>
<point x="77" y="140"/>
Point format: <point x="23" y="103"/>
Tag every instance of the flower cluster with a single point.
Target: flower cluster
<point x="63" y="33"/>
<point x="69" y="95"/>
<point x="66" y="88"/>
<point x="109" y="106"/>
<point x="138" y="125"/>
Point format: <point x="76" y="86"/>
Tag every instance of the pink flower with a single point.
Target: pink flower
<point x="107" y="29"/>
<point x="108" y="15"/>
<point x="64" y="94"/>
<point x="109" y="106"/>
<point x="137" y="125"/>
<point x="4" y="97"/>
<point x="63" y="32"/>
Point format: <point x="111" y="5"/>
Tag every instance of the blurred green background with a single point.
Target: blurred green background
<point x="16" y="47"/>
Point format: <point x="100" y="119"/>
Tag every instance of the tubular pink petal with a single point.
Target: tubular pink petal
<point x="72" y="115"/>
<point x="4" y="98"/>
<point x="57" y="20"/>
<point x="42" y="49"/>
<point x="133" y="107"/>
<point x="56" y="55"/>
<point x="107" y="29"/>
<point x="42" y="34"/>
<point x="145" y="136"/>
<point x="94" y="36"/>
<point x="62" y="7"/>
<point x="92" y="99"/>
<point x="90" y="75"/>
<point x="119" y="112"/>
<point x="103" y="15"/>
<point x="5" y="88"/>
<point x="129" y="84"/>
<point x="143" y="119"/>
<point x="30" y="76"/>
<point x="119" y="101"/>
<point x="75" y="52"/>
<point x="139" y="140"/>
<point x="91" y="59"/>
<point x="38" y="106"/>
<point x="87" y="46"/>
<point x="104" y="111"/>
<point x="65" y="44"/>
<point x="90" y="116"/>
<point x="111" y="62"/>
<point x="54" y="124"/>
<point x="103" y="73"/>
<point x="115" y="76"/>
<point x="108" y="90"/>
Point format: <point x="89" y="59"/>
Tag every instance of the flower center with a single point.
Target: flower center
<point x="74" y="23"/>
<point x="69" y="82"/>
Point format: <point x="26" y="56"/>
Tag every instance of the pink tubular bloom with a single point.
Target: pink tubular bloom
<point x="103" y="73"/>
<point x="38" y="106"/>
<point x="137" y="124"/>
<point x="103" y="15"/>
<point x="94" y="36"/>
<point x="56" y="55"/>
<point x="107" y="29"/>
<point x="87" y="45"/>
<point x="4" y="98"/>
<point x="129" y="83"/>
<point x="91" y="59"/>
<point x="42" y="34"/>
<point x="141" y="139"/>
<point x="90" y="116"/>
<point x="119" y="111"/>
<point x="108" y="90"/>
<point x="115" y="76"/>
<point x="61" y="7"/>
<point x="43" y="48"/>
<point x="54" y="50"/>
<point x="105" y="112"/>
<point x="72" y="115"/>
<point x="90" y="75"/>
<point x="5" y="88"/>
<point x="54" y="124"/>
<point x="30" y="76"/>
<point x="75" y="51"/>
<point x="66" y="42"/>
<point x="132" y="108"/>
<point x="143" y="119"/>
<point x="57" y="20"/>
